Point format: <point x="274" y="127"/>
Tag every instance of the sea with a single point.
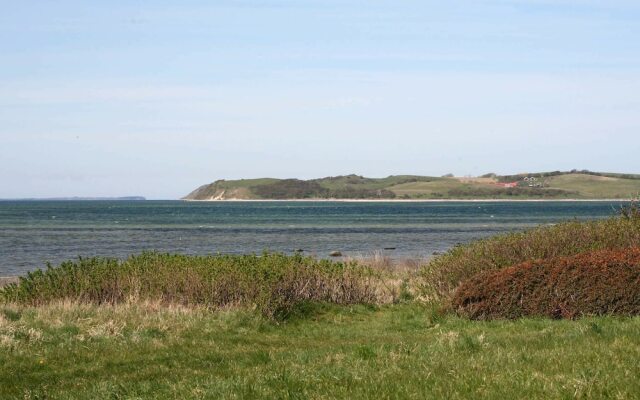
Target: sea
<point x="34" y="233"/>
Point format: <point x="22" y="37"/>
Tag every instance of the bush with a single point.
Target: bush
<point x="593" y="283"/>
<point x="272" y="283"/>
<point x="495" y="192"/>
<point x="298" y="189"/>
<point x="444" y="273"/>
<point x="290" y="189"/>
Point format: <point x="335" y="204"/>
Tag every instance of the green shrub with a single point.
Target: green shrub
<point x="603" y="282"/>
<point x="290" y="189"/>
<point x="497" y="192"/>
<point x="298" y="189"/>
<point x="272" y="283"/>
<point x="444" y="273"/>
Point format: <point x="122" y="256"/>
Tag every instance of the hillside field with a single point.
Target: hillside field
<point x="552" y="185"/>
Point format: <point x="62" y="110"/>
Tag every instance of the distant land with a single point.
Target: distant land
<point x="574" y="184"/>
<point x="126" y="198"/>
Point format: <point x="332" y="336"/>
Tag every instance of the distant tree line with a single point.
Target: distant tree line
<point x="480" y="192"/>
<point x="299" y="189"/>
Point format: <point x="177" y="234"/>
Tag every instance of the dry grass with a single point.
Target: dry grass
<point x="400" y="276"/>
<point x="5" y="280"/>
<point x="381" y="261"/>
<point x="20" y="325"/>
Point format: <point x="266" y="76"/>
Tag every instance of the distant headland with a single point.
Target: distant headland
<point x="555" y="185"/>
<point x="125" y="198"/>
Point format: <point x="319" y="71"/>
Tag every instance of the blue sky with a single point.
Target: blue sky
<point x="155" y="98"/>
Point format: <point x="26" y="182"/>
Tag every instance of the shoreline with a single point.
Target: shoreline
<point x="404" y="200"/>
<point x="6" y="280"/>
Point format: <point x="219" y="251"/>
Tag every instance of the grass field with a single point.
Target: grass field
<point x="589" y="186"/>
<point x="580" y="186"/>
<point x="342" y="182"/>
<point x="402" y="351"/>
<point x="433" y="189"/>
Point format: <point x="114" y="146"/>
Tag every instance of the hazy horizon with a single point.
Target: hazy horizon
<point x="121" y="98"/>
<point x="89" y="197"/>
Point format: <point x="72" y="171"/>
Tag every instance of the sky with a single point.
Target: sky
<point x="155" y="98"/>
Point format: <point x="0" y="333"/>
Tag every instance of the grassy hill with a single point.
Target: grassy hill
<point x="546" y="185"/>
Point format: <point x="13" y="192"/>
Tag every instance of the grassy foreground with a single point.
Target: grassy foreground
<point x="72" y="351"/>
<point x="276" y="326"/>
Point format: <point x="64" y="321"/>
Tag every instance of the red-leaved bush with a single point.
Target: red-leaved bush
<point x="592" y="283"/>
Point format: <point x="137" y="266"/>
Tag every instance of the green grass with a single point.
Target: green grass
<point x="246" y="183"/>
<point x="591" y="186"/>
<point x="404" y="351"/>
<point x="451" y="188"/>
<point x="342" y="182"/>
<point x="442" y="185"/>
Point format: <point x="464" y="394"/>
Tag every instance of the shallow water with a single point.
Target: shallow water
<point x="34" y="232"/>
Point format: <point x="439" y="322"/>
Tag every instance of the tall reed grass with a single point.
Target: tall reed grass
<point x="382" y="261"/>
<point x="271" y="283"/>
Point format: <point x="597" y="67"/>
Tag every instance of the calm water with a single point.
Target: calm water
<point x="33" y="232"/>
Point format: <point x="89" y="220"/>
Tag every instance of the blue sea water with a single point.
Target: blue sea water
<point x="35" y="232"/>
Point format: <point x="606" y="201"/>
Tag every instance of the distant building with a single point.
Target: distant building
<point x="532" y="181"/>
<point x="507" y="184"/>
